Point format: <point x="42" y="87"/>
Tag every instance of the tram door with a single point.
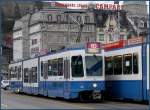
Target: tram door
<point x="66" y="77"/>
<point x="45" y="77"/>
<point x="33" y="80"/>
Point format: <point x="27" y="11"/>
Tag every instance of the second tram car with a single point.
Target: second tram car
<point x="127" y="72"/>
<point x="68" y="74"/>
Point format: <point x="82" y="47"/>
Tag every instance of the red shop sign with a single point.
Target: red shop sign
<point x="135" y="40"/>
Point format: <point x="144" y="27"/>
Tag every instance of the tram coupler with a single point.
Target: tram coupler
<point x="96" y="95"/>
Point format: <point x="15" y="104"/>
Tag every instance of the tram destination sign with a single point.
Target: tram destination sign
<point x="93" y="47"/>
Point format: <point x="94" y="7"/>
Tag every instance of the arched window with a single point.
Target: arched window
<point x="145" y="24"/>
<point x="87" y="19"/>
<point x="58" y="18"/>
<point x="79" y="18"/>
<point x="49" y="17"/>
<point x="68" y="18"/>
<point x="141" y="24"/>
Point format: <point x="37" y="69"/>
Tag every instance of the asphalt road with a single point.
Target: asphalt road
<point x="11" y="100"/>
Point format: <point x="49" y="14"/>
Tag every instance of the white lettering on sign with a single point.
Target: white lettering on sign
<point x="135" y="41"/>
<point x="93" y="47"/>
<point x="97" y="6"/>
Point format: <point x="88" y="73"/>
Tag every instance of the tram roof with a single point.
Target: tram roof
<point x="50" y="53"/>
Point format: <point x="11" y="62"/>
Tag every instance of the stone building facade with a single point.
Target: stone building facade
<point x="53" y="29"/>
<point x="138" y="16"/>
<point x="50" y="31"/>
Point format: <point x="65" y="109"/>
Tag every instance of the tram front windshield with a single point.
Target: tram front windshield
<point x="94" y="65"/>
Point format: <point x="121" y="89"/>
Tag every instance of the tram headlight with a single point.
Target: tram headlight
<point x="94" y="85"/>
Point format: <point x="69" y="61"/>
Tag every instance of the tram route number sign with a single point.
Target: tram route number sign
<point x="93" y="47"/>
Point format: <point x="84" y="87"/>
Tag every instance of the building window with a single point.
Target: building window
<point x="79" y="18"/>
<point x="101" y="37"/>
<point x="88" y="27"/>
<point x="87" y="19"/>
<point x="110" y="38"/>
<point x="67" y="18"/>
<point x="58" y="18"/>
<point x="34" y="41"/>
<point x="100" y="17"/>
<point x="49" y="17"/>
<point x="145" y="25"/>
<point x="87" y="39"/>
<point x="141" y="24"/>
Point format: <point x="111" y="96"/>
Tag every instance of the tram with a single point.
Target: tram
<point x="127" y="72"/>
<point x="69" y="74"/>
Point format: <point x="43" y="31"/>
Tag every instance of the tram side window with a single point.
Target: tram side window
<point x="26" y="75"/>
<point x="117" y="64"/>
<point x="55" y="67"/>
<point x="9" y="74"/>
<point x="19" y="72"/>
<point x="42" y="68"/>
<point x="109" y="65"/>
<point x="16" y="72"/>
<point x="135" y="63"/>
<point x="77" y="66"/>
<point x="34" y="74"/>
<point x="60" y="67"/>
<point x="13" y="72"/>
<point x="127" y="64"/>
<point x="50" y="72"/>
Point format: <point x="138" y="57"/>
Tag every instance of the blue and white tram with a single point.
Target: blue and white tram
<point x="127" y="72"/>
<point x="16" y="76"/>
<point x="72" y="74"/>
<point x="68" y="74"/>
